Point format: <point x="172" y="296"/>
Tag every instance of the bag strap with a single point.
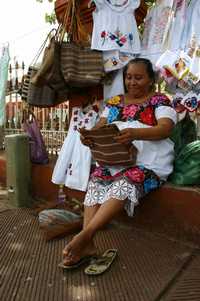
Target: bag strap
<point x="49" y="36"/>
<point x="72" y="21"/>
<point x="68" y="20"/>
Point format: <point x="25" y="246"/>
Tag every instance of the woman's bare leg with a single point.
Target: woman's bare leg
<point x="89" y="212"/>
<point x="78" y="246"/>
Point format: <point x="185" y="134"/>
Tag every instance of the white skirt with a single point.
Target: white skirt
<point x="100" y="191"/>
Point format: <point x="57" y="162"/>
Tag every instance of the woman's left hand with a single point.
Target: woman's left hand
<point x="126" y="136"/>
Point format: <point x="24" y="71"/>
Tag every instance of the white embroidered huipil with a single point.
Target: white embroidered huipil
<point x="176" y="31"/>
<point x="192" y="40"/>
<point x="192" y="30"/>
<point x="74" y="161"/>
<point x="115" y="26"/>
<point x="156" y="29"/>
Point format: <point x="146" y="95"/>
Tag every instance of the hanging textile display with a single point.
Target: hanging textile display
<point x="179" y="64"/>
<point x="115" y="33"/>
<point x="156" y="29"/>
<point x="4" y="63"/>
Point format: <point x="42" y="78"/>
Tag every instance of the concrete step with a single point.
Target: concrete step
<point x="171" y="209"/>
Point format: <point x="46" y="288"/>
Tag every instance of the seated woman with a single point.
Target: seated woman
<point x="146" y="119"/>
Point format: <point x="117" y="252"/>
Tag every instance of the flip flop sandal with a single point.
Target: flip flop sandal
<point x="83" y="260"/>
<point x="100" y="265"/>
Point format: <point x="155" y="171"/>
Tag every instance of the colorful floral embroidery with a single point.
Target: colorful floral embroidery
<point x="150" y="184"/>
<point x="113" y="114"/>
<point x="118" y="37"/>
<point x="189" y="102"/>
<point x="148" y="116"/>
<point x="137" y="174"/>
<point x="143" y="113"/>
<point x="114" y="100"/>
<point x="129" y="112"/>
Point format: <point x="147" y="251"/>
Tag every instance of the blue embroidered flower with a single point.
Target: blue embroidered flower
<point x="112" y="37"/>
<point x="191" y="103"/>
<point x="113" y="114"/>
<point x="130" y="36"/>
<point x="150" y="184"/>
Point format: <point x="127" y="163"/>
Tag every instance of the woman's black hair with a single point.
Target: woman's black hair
<point x="149" y="68"/>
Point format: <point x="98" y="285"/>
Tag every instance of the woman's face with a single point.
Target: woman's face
<point x="137" y="81"/>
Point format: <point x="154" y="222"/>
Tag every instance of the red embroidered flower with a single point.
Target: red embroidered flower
<point x="147" y="116"/>
<point x="135" y="174"/>
<point x="123" y="39"/>
<point x="103" y="34"/>
<point x="129" y="111"/>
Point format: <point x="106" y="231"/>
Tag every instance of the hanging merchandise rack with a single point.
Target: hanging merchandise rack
<point x="87" y="8"/>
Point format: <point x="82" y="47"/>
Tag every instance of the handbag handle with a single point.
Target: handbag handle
<point x="76" y="32"/>
<point x="35" y="59"/>
<point x="68" y="18"/>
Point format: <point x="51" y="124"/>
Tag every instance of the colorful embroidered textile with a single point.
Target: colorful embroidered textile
<point x="115" y="27"/>
<point x="155" y="155"/>
<point x="141" y="112"/>
<point x="129" y="184"/>
<point x="189" y="102"/>
<point x="156" y="29"/>
<point x="154" y="158"/>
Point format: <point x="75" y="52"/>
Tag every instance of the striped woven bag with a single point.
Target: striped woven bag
<point x="106" y="150"/>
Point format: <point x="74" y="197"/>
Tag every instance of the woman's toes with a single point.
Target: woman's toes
<point x="67" y="250"/>
<point x="70" y="260"/>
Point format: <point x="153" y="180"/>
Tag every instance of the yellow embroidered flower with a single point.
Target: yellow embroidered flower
<point x="114" y="100"/>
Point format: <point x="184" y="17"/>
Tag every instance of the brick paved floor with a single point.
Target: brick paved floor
<point x="4" y="202"/>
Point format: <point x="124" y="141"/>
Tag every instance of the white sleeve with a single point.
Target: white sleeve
<point x="105" y="112"/>
<point x="166" y="112"/>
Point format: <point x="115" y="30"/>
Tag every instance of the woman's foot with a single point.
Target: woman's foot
<point x="80" y="246"/>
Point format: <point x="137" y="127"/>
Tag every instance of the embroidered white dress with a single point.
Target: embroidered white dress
<point x="192" y="28"/>
<point x="156" y="29"/>
<point x="74" y="161"/>
<point x="176" y="31"/>
<point x="115" y="26"/>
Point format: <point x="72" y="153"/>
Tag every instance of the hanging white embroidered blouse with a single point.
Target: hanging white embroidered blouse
<point x="115" y="26"/>
<point x="176" y="31"/>
<point x="192" y="31"/>
<point x="156" y="29"/>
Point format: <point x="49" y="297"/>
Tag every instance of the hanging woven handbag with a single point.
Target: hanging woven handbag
<point x="80" y="65"/>
<point x="49" y="73"/>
